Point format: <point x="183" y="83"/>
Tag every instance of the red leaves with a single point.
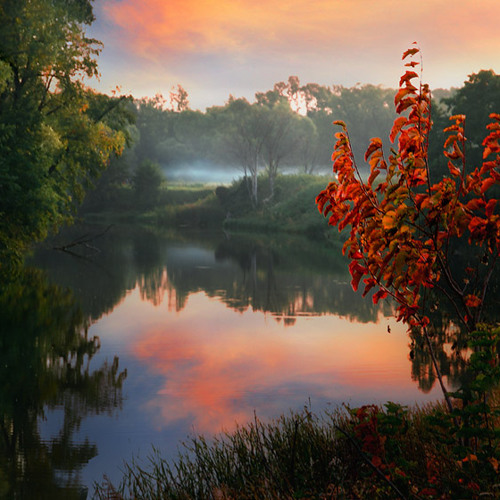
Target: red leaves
<point x="400" y="230"/>
<point x="357" y="272"/>
<point x="381" y="294"/>
<point x="409" y="75"/>
<point x="410" y="52"/>
<point x="454" y="170"/>
<point x="472" y="301"/>
<point x="375" y="145"/>
<point x="487" y="183"/>
<point x="340" y="123"/>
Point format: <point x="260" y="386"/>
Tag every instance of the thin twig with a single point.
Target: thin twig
<point x="83" y="240"/>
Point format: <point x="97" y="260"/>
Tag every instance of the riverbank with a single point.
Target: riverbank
<point x="292" y="208"/>
<point x="369" y="452"/>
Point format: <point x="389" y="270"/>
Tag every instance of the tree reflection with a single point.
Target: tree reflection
<point x="284" y="276"/>
<point x="45" y="358"/>
<point x="449" y="342"/>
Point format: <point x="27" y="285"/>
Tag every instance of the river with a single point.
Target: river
<point x="138" y="339"/>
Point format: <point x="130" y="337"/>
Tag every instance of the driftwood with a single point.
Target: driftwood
<point x="83" y="240"/>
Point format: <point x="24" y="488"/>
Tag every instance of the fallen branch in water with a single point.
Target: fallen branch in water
<point x="84" y="241"/>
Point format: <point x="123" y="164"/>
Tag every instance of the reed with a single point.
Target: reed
<point x="304" y="455"/>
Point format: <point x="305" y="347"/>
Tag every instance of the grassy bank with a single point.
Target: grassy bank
<point x="368" y="453"/>
<point x="292" y="209"/>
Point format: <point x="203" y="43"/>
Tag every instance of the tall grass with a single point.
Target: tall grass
<point x="299" y="455"/>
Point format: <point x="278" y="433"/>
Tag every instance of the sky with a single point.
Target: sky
<point x="214" y="48"/>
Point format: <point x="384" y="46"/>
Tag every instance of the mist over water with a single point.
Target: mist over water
<point x="202" y="172"/>
<point x="206" y="172"/>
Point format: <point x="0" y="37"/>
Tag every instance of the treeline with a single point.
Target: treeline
<point x="287" y="127"/>
<point x="58" y="137"/>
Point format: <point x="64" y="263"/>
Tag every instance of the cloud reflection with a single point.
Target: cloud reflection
<point x="220" y="365"/>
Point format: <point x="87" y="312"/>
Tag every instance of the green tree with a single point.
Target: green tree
<point x="307" y="153"/>
<point x="56" y="136"/>
<point x="477" y="99"/>
<point x="280" y="139"/>
<point x="243" y="140"/>
<point x="146" y="182"/>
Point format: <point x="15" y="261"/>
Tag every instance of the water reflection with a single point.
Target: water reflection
<point x="218" y="365"/>
<point x="287" y="277"/>
<point x="45" y="356"/>
<point x="212" y="327"/>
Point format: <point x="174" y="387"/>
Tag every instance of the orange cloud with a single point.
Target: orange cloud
<point x="241" y="25"/>
<point x="207" y="26"/>
<point x="217" y="47"/>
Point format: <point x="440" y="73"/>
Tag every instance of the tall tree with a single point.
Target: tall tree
<point x="55" y="134"/>
<point x="280" y="139"/>
<point x="244" y="142"/>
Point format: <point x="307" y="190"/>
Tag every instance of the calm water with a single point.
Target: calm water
<point x="146" y="340"/>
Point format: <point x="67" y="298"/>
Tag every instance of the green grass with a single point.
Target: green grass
<point x="291" y="210"/>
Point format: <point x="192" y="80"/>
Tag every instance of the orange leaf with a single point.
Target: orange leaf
<point x="402" y="93"/>
<point x="375" y="144"/>
<point x="490" y="207"/>
<point x="381" y="294"/>
<point x="453" y="170"/>
<point x="389" y="220"/>
<point x="396" y="128"/>
<point x="487" y="183"/>
<point x="475" y="204"/>
<point x="373" y="175"/>
<point x="407" y="77"/>
<point x="472" y="301"/>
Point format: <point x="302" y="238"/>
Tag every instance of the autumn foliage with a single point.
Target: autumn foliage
<point x="407" y="233"/>
<point x="403" y="223"/>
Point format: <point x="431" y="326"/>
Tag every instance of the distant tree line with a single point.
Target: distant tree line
<point x="289" y="126"/>
<point x="286" y="127"/>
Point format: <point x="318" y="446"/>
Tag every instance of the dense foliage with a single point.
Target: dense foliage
<point x="404" y="228"/>
<point x="56" y="136"/>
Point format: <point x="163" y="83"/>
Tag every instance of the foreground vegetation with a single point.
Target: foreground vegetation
<point x="369" y="452"/>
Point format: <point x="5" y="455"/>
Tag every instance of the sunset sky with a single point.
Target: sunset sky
<point x="214" y="48"/>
